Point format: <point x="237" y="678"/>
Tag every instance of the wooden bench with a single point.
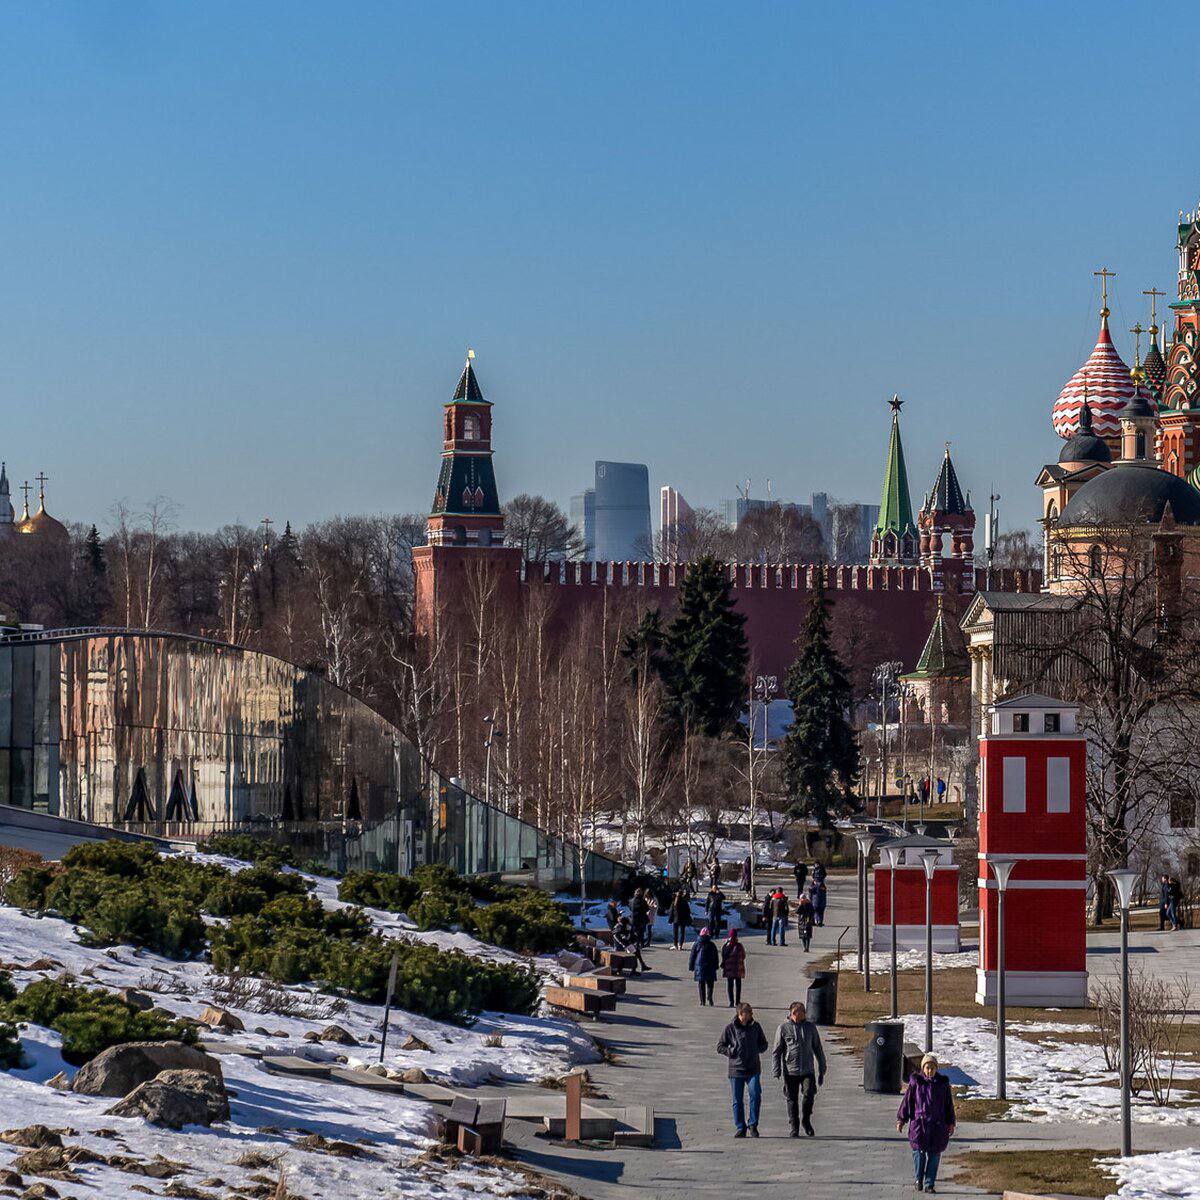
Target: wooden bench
<point x="599" y="983"/>
<point x="475" y="1126"/>
<point x="617" y="960"/>
<point x="590" y="1002"/>
<point x="636" y="1127"/>
<point x="912" y="1060"/>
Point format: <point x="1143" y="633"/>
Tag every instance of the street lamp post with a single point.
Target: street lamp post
<point x="865" y="841"/>
<point x="892" y="856"/>
<point x="1124" y="878"/>
<point x="885" y="673"/>
<point x="492" y="734"/>
<point x="1002" y="868"/>
<point x="763" y="690"/>
<point x="929" y="859"/>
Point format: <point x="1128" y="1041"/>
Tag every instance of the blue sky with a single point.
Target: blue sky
<point x="244" y="247"/>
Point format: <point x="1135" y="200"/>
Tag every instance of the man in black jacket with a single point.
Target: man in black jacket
<point x="800" y="1062"/>
<point x="743" y="1043"/>
<point x="714" y="906"/>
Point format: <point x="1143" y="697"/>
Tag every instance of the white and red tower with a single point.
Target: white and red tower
<point x="1032" y="761"/>
<point x="910" y="897"/>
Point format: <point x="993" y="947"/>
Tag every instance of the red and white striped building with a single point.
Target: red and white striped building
<point x="1108" y="385"/>
<point x="1032" y="761"/>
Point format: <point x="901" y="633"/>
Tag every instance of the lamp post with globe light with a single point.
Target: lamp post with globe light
<point x="865" y="840"/>
<point x="892" y="856"/>
<point x="929" y="860"/>
<point x="1002" y="868"/>
<point x="1124" y="878"/>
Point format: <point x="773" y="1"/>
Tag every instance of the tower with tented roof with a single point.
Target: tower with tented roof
<point x="947" y="526"/>
<point x="1179" y="409"/>
<point x="894" y="542"/>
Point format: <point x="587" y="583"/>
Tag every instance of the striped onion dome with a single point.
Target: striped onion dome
<point x="1193" y="477"/>
<point x="1154" y="369"/>
<point x="1106" y="382"/>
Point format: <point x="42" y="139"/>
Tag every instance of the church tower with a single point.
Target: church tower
<point x="947" y="524"/>
<point x="7" y="515"/>
<point x="894" y="542"/>
<point x="1180" y="418"/>
<point x="466" y="505"/>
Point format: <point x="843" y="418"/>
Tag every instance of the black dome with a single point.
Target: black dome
<point x="1085" y="447"/>
<point x="1132" y="493"/>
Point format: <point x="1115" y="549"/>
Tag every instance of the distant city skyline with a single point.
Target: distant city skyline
<point x="245" y="247"/>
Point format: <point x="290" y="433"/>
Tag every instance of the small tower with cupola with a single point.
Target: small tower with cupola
<point x="947" y="525"/>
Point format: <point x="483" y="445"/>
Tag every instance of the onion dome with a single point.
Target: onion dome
<point x="41" y="524"/>
<point x="1107" y="383"/>
<point x="1193" y="477"/>
<point x="1131" y="493"/>
<point x="1084" y="446"/>
<point x="1154" y="369"/>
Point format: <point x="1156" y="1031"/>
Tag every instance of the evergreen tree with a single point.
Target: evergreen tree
<point x="643" y="649"/>
<point x="820" y="750"/>
<point x="707" y="653"/>
<point x="94" y="553"/>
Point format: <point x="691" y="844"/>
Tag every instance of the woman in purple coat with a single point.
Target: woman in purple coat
<point x="928" y="1109"/>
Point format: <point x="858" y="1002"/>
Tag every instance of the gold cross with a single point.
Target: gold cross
<point x="26" y="489"/>
<point x="1105" y="275"/>
<point x="1154" y="294"/>
<point x="1137" y="332"/>
<point x="42" y="479"/>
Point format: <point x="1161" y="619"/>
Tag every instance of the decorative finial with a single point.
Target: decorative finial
<point x="895" y="403"/>
<point x="42" y="479"/>
<point x="26" y="489"/>
<point x="1154" y="294"/>
<point x="1137" y="332"/>
<point x="1105" y="275"/>
<point x="947" y="449"/>
<point x="470" y="354"/>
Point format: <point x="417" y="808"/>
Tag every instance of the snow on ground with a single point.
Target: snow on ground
<point x="268" y="1115"/>
<point x="906" y="960"/>
<point x="1172" y="1173"/>
<point x="595" y="913"/>
<point x="1049" y="1081"/>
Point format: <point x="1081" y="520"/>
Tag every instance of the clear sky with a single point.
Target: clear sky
<point x="243" y="247"/>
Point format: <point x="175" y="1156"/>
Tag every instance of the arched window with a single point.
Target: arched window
<point x="471" y="427"/>
<point x="1140" y="444"/>
<point x="1056" y="562"/>
<point x="1096" y="562"/>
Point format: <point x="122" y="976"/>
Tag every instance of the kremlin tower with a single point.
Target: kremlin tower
<point x="1180" y="405"/>
<point x="894" y="542"/>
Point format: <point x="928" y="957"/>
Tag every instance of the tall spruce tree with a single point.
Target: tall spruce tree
<point x="707" y="653"/>
<point x="820" y="750"/>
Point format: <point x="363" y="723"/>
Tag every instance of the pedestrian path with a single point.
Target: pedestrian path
<point x="665" y="1048"/>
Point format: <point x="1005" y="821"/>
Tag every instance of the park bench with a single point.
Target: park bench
<point x="599" y="982"/>
<point x="636" y="1128"/>
<point x="474" y="1126"/>
<point x="617" y="960"/>
<point x="589" y="1001"/>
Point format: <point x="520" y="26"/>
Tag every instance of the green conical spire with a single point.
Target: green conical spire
<point x="944" y="654"/>
<point x="895" y="509"/>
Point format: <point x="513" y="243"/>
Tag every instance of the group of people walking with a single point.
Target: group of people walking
<point x="1170" y="902"/>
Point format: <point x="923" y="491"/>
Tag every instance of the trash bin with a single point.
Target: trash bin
<point x="821" y="1001"/>
<point x="883" y="1057"/>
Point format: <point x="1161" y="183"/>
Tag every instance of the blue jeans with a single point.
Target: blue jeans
<point x="779" y="932"/>
<point x="925" y="1167"/>
<point x="739" y="1087"/>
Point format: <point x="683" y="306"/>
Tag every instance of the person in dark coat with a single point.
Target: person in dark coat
<point x="766" y="917"/>
<point x="928" y="1110"/>
<point x="639" y="914"/>
<point x="626" y="939"/>
<point x="799" y="1061"/>
<point x="681" y="917"/>
<point x="703" y="965"/>
<point x="805" y="919"/>
<point x="744" y="1043"/>
<point x="1164" y="900"/>
<point x="714" y="906"/>
<point x="819" y="898"/>
<point x="733" y="967"/>
<point x="612" y="914"/>
<point x="800" y="870"/>
<point x="779" y="918"/>
<point x="746" y="874"/>
<point x="819" y="872"/>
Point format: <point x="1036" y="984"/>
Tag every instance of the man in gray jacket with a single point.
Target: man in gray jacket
<point x="800" y="1063"/>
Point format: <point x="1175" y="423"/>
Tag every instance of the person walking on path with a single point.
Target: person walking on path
<point x="928" y="1110"/>
<point x="819" y="899"/>
<point x="800" y="1062"/>
<point x="639" y="912"/>
<point x="612" y="914"/>
<point x="714" y="870"/>
<point x="805" y="917"/>
<point x="733" y="967"/>
<point x="819" y="872"/>
<point x="714" y="907"/>
<point x="800" y="870"/>
<point x="681" y="917"/>
<point x="1164" y="900"/>
<point x="651" y="914"/>
<point x="779" y="918"/>
<point x="626" y="939"/>
<point x="743" y="1043"/>
<point x="703" y="965"/>
<point x="745" y="881"/>
<point x="768" y="900"/>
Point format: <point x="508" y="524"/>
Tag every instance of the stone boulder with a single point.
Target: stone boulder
<point x="34" y="1136"/>
<point x="221" y="1018"/>
<point x="175" y="1099"/>
<point x="335" y="1033"/>
<point x="136" y="999"/>
<point x="119" y="1069"/>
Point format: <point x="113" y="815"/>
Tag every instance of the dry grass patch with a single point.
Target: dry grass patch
<point x="1037" y="1171"/>
<point x="980" y="1108"/>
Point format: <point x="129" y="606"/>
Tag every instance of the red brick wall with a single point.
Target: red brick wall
<point x="910" y="896"/>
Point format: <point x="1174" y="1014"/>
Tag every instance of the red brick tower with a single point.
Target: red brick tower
<point x="1032" y="766"/>
<point x="947" y="525"/>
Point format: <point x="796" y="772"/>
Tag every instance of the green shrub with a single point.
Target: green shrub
<point x="11" y="1055"/>
<point x="440" y="909"/>
<point x="130" y="860"/>
<point x="530" y="924"/>
<point x="248" y="848"/>
<point x="91" y="1021"/>
<point x="438" y="877"/>
<point x="247" y="891"/>
<point x="506" y="987"/>
<point x="348" y="923"/>
<point x="377" y="889"/>
<point x="28" y="890"/>
<point x="8" y="989"/>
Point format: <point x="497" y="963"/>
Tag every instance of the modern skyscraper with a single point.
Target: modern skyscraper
<point x="622" y="506"/>
<point x="673" y="510"/>
<point x="583" y="517"/>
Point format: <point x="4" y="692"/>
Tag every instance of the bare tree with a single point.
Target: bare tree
<point x="540" y="529"/>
